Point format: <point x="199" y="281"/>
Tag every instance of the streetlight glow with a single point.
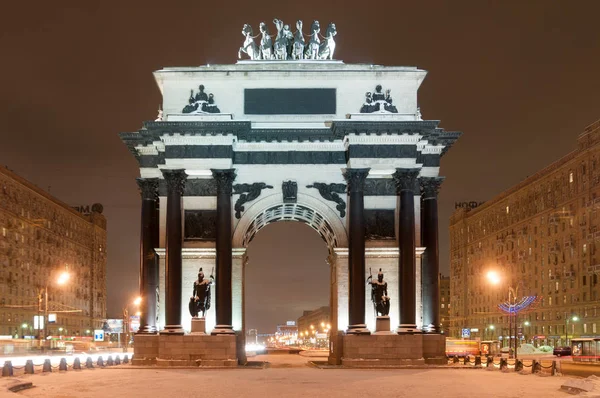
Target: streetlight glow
<point x="575" y="318"/>
<point x="63" y="278"/>
<point x="493" y="277"/>
<point x="137" y="301"/>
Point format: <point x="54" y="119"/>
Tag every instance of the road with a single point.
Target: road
<point x="289" y="376"/>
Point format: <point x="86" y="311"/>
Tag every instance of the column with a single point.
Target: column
<point x="175" y="183"/>
<point x="430" y="280"/>
<point x="356" y="255"/>
<point x="224" y="178"/>
<point x="148" y="264"/>
<point x="407" y="186"/>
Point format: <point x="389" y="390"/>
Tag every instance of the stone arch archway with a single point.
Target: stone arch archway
<point x="308" y="209"/>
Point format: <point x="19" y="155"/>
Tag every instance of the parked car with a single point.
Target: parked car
<point x="561" y="351"/>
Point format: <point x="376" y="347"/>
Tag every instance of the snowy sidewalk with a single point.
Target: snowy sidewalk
<point x="289" y="376"/>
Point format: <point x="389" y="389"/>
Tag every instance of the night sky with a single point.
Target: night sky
<point x="519" y="78"/>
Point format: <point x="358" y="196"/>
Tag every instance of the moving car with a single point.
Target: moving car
<point x="561" y="351"/>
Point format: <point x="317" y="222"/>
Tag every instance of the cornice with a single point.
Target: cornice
<point x="342" y="128"/>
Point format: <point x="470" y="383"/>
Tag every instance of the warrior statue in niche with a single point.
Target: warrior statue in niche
<point x="379" y="296"/>
<point x="200" y="300"/>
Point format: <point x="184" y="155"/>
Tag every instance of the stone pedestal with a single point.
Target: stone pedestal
<point x="392" y="350"/>
<point x="198" y="326"/>
<point x="434" y="348"/>
<point x="185" y="350"/>
<point x="383" y="325"/>
<point x="145" y="349"/>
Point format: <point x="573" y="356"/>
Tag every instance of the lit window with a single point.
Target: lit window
<point x="507" y="209"/>
<point x="570" y="177"/>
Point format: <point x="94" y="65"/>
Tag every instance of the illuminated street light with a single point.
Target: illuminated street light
<point x="493" y="277"/>
<point x="137" y="301"/>
<point x="63" y="278"/>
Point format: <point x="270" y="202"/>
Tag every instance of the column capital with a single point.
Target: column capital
<point x="148" y="188"/>
<point x="175" y="179"/>
<point x="224" y="178"/>
<point x="430" y="186"/>
<point x="406" y="180"/>
<point x="356" y="179"/>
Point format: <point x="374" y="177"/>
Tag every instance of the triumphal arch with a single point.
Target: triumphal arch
<point x="290" y="134"/>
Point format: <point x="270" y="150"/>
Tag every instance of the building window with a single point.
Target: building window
<point x="570" y="177"/>
<point x="507" y="209"/>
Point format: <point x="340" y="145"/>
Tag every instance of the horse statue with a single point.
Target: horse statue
<point x="249" y="47"/>
<point x="299" y="43"/>
<point x="327" y="48"/>
<point x="266" y="44"/>
<point x="281" y="40"/>
<point x="312" y="49"/>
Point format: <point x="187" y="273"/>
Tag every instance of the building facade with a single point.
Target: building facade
<point x="41" y="237"/>
<point x="321" y="315"/>
<point x="445" y="304"/>
<point x="542" y="238"/>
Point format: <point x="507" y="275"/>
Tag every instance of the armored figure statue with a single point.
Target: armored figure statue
<point x="379" y="296"/>
<point x="200" y="300"/>
<point x="282" y="40"/>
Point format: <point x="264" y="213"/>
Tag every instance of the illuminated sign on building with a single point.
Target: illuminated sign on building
<point x="467" y="205"/>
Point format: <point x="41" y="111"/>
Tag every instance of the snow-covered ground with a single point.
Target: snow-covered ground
<point x="289" y="376"/>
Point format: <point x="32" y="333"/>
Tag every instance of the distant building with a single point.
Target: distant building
<point x="41" y="236"/>
<point x="315" y="318"/>
<point x="541" y="236"/>
<point x="445" y="303"/>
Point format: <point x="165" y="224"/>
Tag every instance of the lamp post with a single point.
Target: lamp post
<point x="495" y="279"/>
<point x="62" y="279"/>
<point x="573" y="318"/>
<point x="126" y="326"/>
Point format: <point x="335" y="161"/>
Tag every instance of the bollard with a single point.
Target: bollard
<point x="466" y="360"/>
<point x="489" y="362"/>
<point x="126" y="359"/>
<point x="100" y="361"/>
<point x="47" y="366"/>
<point x="63" y="364"/>
<point x="7" y="369"/>
<point x="503" y="363"/>
<point x="117" y="360"/>
<point x="110" y="361"/>
<point x="477" y="360"/>
<point x="89" y="363"/>
<point x="554" y="368"/>
<point x="518" y="365"/>
<point x="29" y="368"/>
<point x="77" y="364"/>
<point x="455" y="360"/>
<point x="536" y="366"/>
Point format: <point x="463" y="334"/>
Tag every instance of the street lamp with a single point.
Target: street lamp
<point x="573" y="318"/>
<point x="494" y="278"/>
<point x="62" y="279"/>
<point x="136" y="302"/>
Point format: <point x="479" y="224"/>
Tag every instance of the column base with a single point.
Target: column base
<point x="430" y="329"/>
<point x="408" y="328"/>
<point x="172" y="329"/>
<point x="222" y="329"/>
<point x="359" y="328"/>
<point x="148" y="330"/>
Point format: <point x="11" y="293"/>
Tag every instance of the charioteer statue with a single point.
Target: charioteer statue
<point x="200" y="300"/>
<point x="379" y="296"/>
